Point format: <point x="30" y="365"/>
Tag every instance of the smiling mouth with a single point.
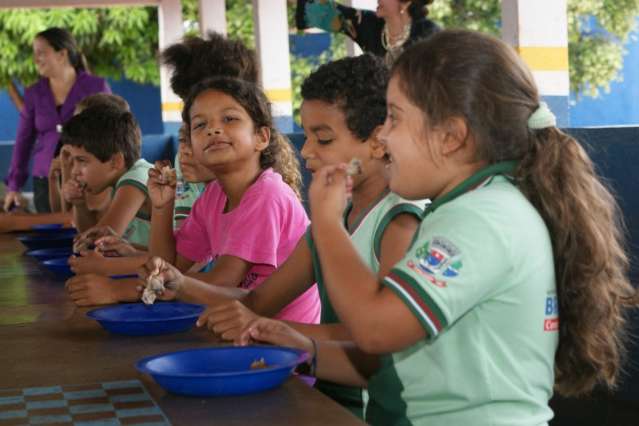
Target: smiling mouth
<point x="216" y="146"/>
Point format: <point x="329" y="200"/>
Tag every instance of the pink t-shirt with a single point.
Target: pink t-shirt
<point x="263" y="230"/>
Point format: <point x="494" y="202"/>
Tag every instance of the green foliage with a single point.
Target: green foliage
<point x="595" y="57"/>
<point x="118" y="41"/>
<point x="123" y="41"/>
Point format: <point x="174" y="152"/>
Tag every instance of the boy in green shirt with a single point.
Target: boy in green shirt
<point x="104" y="147"/>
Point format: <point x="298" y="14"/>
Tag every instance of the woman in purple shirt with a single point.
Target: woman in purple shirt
<point x="48" y="104"/>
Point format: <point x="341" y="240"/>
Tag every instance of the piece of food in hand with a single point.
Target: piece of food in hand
<point x="154" y="286"/>
<point x="258" y="364"/>
<point x="168" y="175"/>
<point x="86" y="240"/>
<point x="354" y="167"/>
<point x="83" y="244"/>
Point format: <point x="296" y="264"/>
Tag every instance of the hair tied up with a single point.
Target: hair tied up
<point x="542" y="118"/>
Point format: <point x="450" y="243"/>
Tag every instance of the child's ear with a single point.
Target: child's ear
<point x="377" y="148"/>
<point x="263" y="138"/>
<point x="457" y="135"/>
<point x="117" y="161"/>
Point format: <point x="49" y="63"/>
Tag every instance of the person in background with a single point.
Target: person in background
<point x="48" y="104"/>
<point x="60" y="183"/>
<point x="392" y="27"/>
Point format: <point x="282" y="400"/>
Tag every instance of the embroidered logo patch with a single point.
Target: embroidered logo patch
<point x="438" y="260"/>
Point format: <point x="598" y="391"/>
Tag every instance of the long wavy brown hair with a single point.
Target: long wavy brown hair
<point x="481" y="79"/>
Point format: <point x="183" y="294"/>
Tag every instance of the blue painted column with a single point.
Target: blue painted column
<point x="538" y="30"/>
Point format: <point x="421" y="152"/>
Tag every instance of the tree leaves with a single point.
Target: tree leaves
<point x="123" y="41"/>
<point x="117" y="41"/>
<point x="596" y="57"/>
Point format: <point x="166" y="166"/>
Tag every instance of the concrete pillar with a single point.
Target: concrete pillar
<point x="351" y="47"/>
<point x="212" y="16"/>
<point x="271" y="42"/>
<point x="171" y="31"/>
<point x="538" y="30"/>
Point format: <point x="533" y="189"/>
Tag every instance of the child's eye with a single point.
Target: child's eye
<point x="228" y="119"/>
<point x="197" y="126"/>
<point x="324" y="141"/>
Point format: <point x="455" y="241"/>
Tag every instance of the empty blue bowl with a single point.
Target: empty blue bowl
<point x="50" y="253"/>
<point x="138" y="319"/>
<point x="62" y="238"/>
<point x="222" y="370"/>
<point x="59" y="266"/>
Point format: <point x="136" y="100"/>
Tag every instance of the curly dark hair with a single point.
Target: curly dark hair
<point x="279" y="154"/>
<point x="357" y="86"/>
<point x="104" y="130"/>
<point x="195" y="59"/>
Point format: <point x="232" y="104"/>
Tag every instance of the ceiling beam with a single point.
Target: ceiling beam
<point x="45" y="4"/>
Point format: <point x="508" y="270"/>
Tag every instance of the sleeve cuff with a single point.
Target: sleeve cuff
<point x="418" y="301"/>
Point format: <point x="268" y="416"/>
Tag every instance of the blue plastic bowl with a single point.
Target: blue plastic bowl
<point x="61" y="238"/>
<point x="59" y="266"/>
<point x="47" y="226"/>
<point x="138" y="319"/>
<point x="50" y="253"/>
<point x="222" y="370"/>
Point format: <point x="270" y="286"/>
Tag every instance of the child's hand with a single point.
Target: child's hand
<point x="73" y="192"/>
<point x="91" y="289"/>
<point x="65" y="163"/>
<point x="274" y="332"/>
<point x="161" y="190"/>
<point x="86" y="240"/>
<point x="227" y="320"/>
<point x="115" y="246"/>
<point x="55" y="169"/>
<point x="162" y="270"/>
<point x="329" y="192"/>
<point x="89" y="262"/>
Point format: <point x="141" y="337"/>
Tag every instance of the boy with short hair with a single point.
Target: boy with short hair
<point x="104" y="143"/>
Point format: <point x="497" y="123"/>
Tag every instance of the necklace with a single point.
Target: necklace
<point x="389" y="43"/>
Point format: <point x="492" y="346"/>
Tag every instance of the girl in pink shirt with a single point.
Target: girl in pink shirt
<point x="250" y="219"/>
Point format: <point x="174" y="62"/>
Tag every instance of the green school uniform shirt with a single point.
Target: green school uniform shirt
<point x="182" y="206"/>
<point x="139" y="229"/>
<point x="479" y="277"/>
<point x="366" y="233"/>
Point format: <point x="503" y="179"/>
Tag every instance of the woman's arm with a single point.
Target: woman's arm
<point x="25" y="139"/>
<point x="363" y="26"/>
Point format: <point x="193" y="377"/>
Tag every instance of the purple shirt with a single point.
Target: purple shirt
<point x="37" y="128"/>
